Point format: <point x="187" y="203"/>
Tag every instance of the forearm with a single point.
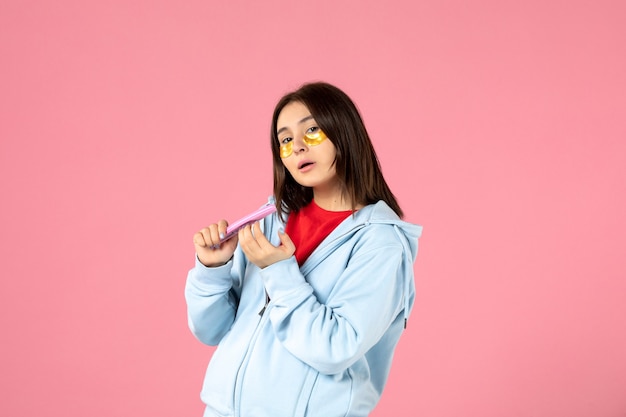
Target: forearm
<point x="211" y="305"/>
<point x="331" y="334"/>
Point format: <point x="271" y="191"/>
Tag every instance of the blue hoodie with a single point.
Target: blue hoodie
<point x="323" y="344"/>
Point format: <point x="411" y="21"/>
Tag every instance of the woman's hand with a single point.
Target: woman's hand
<point x="208" y="248"/>
<point x="260" y="251"/>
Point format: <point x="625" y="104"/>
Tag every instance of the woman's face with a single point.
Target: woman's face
<point x="305" y="152"/>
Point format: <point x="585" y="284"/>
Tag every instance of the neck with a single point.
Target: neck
<point x="332" y="200"/>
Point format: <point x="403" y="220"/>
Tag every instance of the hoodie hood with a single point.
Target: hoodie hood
<point x="381" y="213"/>
<point x="408" y="234"/>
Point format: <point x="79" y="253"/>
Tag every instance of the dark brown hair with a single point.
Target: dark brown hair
<point x="356" y="163"/>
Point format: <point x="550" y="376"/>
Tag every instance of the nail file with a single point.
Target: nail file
<point x="246" y="220"/>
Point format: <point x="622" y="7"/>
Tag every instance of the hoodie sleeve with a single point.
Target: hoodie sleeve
<point x="366" y="300"/>
<point x="212" y="299"/>
<point x="213" y="294"/>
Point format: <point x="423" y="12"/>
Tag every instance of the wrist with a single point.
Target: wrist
<point x="209" y="264"/>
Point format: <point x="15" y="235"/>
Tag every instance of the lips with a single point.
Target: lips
<point x="304" y="164"/>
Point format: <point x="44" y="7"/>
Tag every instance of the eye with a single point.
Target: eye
<point x="286" y="140"/>
<point x="312" y="130"/>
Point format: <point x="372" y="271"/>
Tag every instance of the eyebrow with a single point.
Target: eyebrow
<point x="309" y="117"/>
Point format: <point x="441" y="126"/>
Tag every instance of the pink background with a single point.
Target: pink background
<point x="128" y="125"/>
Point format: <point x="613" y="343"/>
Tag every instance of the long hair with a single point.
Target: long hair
<point x="356" y="163"/>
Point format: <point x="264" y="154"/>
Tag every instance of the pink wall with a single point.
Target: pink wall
<point x="125" y="126"/>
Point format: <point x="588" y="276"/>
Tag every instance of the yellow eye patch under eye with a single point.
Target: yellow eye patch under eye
<point x="315" y="138"/>
<point x="311" y="139"/>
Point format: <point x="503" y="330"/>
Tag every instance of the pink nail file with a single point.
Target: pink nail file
<point x="246" y="220"/>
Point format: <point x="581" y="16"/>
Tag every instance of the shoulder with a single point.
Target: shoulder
<point x="382" y="228"/>
<point x="379" y="236"/>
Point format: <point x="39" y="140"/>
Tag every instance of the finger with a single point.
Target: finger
<point x="198" y="239"/>
<point x="286" y="242"/>
<point x="256" y="231"/>
<point x="247" y="240"/>
<point x="222" y="225"/>
<point x="259" y="236"/>
<point x="206" y="235"/>
<point x="210" y="236"/>
<point x="245" y="234"/>
<point x="215" y="234"/>
<point x="243" y="241"/>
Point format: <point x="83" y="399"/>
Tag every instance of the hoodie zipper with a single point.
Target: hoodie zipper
<point x="244" y="363"/>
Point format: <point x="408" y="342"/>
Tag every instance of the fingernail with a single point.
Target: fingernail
<point x="222" y="235"/>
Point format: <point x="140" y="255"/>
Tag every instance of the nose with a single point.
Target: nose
<point x="299" y="145"/>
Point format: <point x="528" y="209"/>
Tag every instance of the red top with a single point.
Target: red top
<point x="308" y="227"/>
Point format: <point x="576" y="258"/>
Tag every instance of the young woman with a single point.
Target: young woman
<point x="307" y="305"/>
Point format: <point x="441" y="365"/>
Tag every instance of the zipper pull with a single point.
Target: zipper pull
<point x="267" y="301"/>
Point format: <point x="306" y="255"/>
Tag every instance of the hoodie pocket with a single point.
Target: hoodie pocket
<point x="220" y="380"/>
<point x="330" y="395"/>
